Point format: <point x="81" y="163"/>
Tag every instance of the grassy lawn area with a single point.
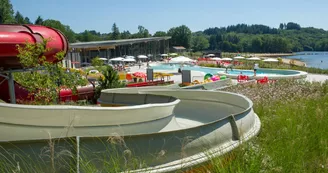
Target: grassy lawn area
<point x="293" y="137"/>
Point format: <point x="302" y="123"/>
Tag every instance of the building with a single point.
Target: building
<point x="178" y="49"/>
<point x="84" y="52"/>
<point x="217" y="53"/>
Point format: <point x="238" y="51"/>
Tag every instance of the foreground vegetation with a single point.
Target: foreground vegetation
<point x="293" y="137"/>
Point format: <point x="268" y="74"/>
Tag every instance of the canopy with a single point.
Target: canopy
<point x="129" y="60"/>
<point x="239" y="57"/>
<point x="104" y="59"/>
<point x="254" y="59"/>
<point x="210" y="55"/>
<point x="117" y="59"/>
<point x="270" y="60"/>
<point x="164" y="55"/>
<point x="142" y="56"/>
<point x="226" y="59"/>
<point x="129" y="57"/>
<point x="139" y="74"/>
<point x="181" y="59"/>
<point x="216" y="59"/>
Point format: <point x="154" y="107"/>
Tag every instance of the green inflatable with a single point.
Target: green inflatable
<point x="223" y="77"/>
<point x="208" y="75"/>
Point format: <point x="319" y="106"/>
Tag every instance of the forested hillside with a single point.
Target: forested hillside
<point x="290" y="37"/>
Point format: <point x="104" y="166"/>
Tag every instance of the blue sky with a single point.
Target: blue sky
<point x="158" y="15"/>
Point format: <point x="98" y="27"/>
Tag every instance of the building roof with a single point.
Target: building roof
<point x="115" y="42"/>
<point x="179" y="47"/>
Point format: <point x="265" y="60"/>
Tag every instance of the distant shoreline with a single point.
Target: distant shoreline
<point x="268" y="54"/>
<point x="274" y="55"/>
<point x="297" y="62"/>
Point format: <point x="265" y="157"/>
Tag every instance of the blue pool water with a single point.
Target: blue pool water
<point x="260" y="72"/>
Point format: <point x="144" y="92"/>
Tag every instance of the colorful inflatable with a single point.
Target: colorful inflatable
<point x="207" y="76"/>
<point x="223" y="77"/>
<point x="215" y="78"/>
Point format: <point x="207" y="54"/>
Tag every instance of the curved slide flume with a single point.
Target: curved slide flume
<point x="169" y="129"/>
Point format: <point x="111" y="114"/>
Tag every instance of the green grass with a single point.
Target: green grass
<point x="293" y="135"/>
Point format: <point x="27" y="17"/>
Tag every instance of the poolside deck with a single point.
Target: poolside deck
<point x="196" y="75"/>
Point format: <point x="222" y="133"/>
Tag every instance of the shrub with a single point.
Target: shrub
<point x="109" y="79"/>
<point x="97" y="62"/>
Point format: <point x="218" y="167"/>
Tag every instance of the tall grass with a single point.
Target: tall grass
<point x="60" y="155"/>
<point x="293" y="138"/>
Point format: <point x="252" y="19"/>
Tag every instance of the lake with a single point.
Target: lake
<point x="312" y="59"/>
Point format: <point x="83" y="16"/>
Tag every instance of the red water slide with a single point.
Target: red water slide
<point x="13" y="35"/>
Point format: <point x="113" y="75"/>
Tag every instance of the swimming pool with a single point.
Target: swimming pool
<point x="270" y="73"/>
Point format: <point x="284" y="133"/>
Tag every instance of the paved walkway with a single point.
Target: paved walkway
<point x="195" y="75"/>
<point x="316" y="77"/>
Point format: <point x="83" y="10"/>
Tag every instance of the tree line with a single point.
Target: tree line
<point x="288" y="37"/>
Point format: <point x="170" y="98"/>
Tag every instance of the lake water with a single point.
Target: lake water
<point x="312" y="59"/>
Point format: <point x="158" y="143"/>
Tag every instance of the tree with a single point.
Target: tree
<point x="281" y="26"/>
<point x="19" y="18"/>
<point x="256" y="44"/>
<point x="88" y="36"/>
<point x="125" y="35"/>
<point x="27" y="20"/>
<point x="159" y="34"/>
<point x="142" y="33"/>
<point x="291" y="25"/>
<point x="38" y="21"/>
<point x="181" y="36"/>
<point x="115" y="35"/>
<point x="213" y="44"/>
<point x="199" y="43"/>
<point x="6" y="12"/>
<point x="45" y="83"/>
<point x="66" y="30"/>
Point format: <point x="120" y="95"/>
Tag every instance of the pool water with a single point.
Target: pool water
<point x="260" y="72"/>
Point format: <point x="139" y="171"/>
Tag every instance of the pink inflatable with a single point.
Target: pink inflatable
<point x="215" y="78"/>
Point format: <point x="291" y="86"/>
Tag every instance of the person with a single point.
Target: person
<point x="256" y="66"/>
<point x="139" y="64"/>
<point x="229" y="66"/>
